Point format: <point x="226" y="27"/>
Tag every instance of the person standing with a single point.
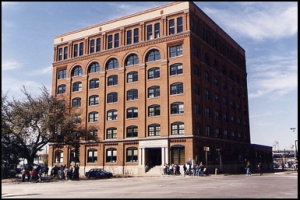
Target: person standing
<point x="248" y="169"/>
<point x="23" y="174"/>
<point x="259" y="168"/>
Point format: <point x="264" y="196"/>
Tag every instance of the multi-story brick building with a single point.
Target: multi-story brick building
<point x="159" y="86"/>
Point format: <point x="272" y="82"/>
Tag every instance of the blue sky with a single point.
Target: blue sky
<point x="268" y="31"/>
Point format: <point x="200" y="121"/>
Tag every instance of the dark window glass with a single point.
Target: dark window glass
<point x="176" y="88"/>
<point x="116" y="42"/>
<point x="136" y="35"/>
<point x="153" y="91"/>
<point x="65" y="53"/>
<point x="92" y="46"/>
<point x="129" y="36"/>
<point x="94" y="100"/>
<point x="171" y="27"/>
<point x="75" y="50"/>
<point x="62" y="74"/>
<point x="81" y="49"/>
<point x="179" y="25"/>
<point x="112" y="97"/>
<point x="110" y="42"/>
<point x="153" y="73"/>
<point x="132" y="77"/>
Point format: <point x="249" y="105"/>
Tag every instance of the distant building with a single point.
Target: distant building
<point x="162" y="86"/>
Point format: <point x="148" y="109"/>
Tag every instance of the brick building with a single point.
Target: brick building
<point x="160" y="86"/>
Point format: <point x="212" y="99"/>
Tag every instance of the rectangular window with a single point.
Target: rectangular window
<point x="81" y="49"/>
<point x="149" y="32"/>
<point x="110" y="42"/>
<point x="62" y="74"/>
<point x="92" y="46"/>
<point x="65" y="53"/>
<point x="75" y="50"/>
<point x="116" y="40"/>
<point x="179" y="25"/>
<point x="136" y="35"/>
<point x="98" y="44"/>
<point x="156" y="30"/>
<point x="60" y="54"/>
<point x="129" y="36"/>
<point x="171" y="27"/>
<point x="175" y="51"/>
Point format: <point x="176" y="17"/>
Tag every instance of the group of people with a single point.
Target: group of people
<point x="65" y="173"/>
<point x="196" y="170"/>
<point x="248" y="169"/>
<point x="33" y="174"/>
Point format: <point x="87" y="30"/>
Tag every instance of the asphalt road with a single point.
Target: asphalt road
<point x="270" y="185"/>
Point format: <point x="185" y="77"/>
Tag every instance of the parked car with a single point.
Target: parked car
<point x="98" y="173"/>
<point x="276" y="165"/>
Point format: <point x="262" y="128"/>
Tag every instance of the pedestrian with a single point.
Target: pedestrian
<point x="76" y="171"/>
<point x="248" y="169"/>
<point x="62" y="172"/>
<point x="201" y="168"/>
<point x="259" y="168"/>
<point x="23" y="174"/>
<point x="184" y="169"/>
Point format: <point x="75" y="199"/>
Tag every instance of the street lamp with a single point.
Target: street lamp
<point x="206" y="149"/>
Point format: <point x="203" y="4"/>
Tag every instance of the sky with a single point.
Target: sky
<point x="267" y="31"/>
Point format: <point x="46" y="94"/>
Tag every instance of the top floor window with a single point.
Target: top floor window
<point x="171" y="27"/>
<point x="129" y="37"/>
<point x="149" y="32"/>
<point x="179" y="25"/>
<point x="75" y="52"/>
<point x="109" y="42"/>
<point x="65" y="53"/>
<point x="92" y="46"/>
<point x="60" y="54"/>
<point x="136" y="35"/>
<point x="156" y="30"/>
<point x="80" y="48"/>
<point x="116" y="42"/>
<point x="153" y="55"/>
<point x="98" y="44"/>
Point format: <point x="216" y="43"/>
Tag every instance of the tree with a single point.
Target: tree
<point x="29" y="125"/>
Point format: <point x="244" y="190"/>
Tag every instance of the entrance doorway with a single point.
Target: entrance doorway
<point x="154" y="156"/>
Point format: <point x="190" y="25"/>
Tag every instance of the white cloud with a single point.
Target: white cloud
<point x="46" y="70"/>
<point x="277" y="77"/>
<point x="258" y="20"/>
<point x="10" y="65"/>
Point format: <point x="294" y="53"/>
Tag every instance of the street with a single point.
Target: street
<point x="270" y="185"/>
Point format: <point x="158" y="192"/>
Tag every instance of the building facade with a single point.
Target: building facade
<point x="162" y="86"/>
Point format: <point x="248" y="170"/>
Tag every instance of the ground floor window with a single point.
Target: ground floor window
<point x="59" y="155"/>
<point x="178" y="155"/>
<point x="111" y="155"/>
<point x="92" y="156"/>
<point x="131" y="154"/>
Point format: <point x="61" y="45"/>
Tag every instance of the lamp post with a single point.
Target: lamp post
<point x="206" y="149"/>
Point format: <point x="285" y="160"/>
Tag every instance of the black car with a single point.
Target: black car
<point x="98" y="173"/>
